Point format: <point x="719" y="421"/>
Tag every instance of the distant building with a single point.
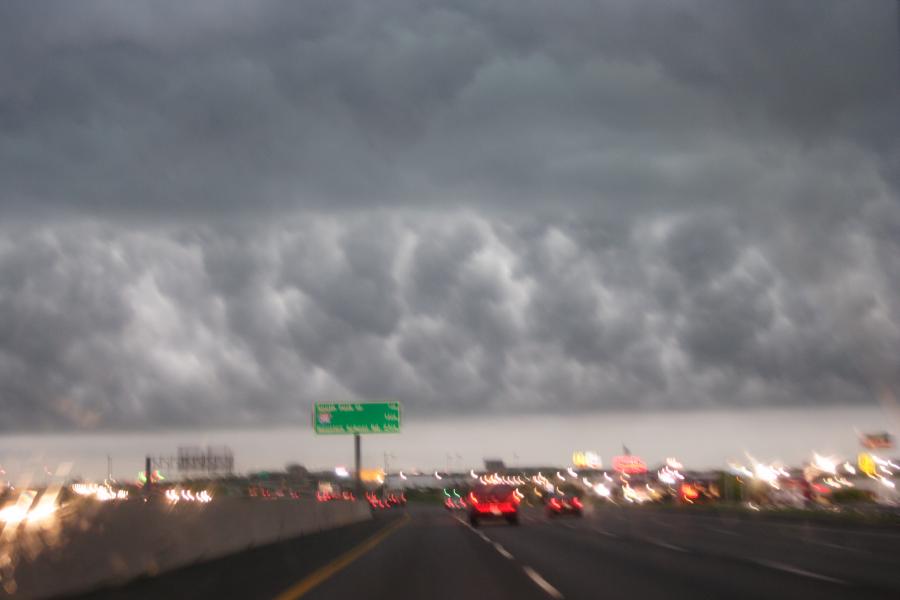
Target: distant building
<point x="494" y="464"/>
<point x="297" y="473"/>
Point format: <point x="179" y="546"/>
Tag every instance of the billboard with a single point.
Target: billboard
<point x="210" y="459"/>
<point x="356" y="417"/>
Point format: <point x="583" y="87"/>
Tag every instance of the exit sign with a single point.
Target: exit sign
<point x="355" y="417"/>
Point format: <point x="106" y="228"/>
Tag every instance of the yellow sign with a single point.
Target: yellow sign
<point x="867" y="464"/>
<point x="586" y="460"/>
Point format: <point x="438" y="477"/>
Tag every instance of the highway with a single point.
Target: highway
<point x="425" y="552"/>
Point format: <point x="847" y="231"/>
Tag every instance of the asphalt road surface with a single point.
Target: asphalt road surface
<point x="430" y="553"/>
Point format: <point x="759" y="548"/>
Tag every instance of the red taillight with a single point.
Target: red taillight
<point x="689" y="491"/>
<point x="555" y="503"/>
<point x="576" y="502"/>
<point x="472" y="498"/>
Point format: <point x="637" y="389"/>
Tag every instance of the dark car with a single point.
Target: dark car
<point x="564" y="504"/>
<point x="494" y="502"/>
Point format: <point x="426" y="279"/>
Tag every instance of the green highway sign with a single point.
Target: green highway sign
<point x="355" y="417"/>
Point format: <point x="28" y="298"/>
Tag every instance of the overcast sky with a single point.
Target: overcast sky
<point x="217" y="213"/>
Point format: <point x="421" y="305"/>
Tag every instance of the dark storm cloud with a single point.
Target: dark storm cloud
<point x="154" y="107"/>
<point x="222" y="213"/>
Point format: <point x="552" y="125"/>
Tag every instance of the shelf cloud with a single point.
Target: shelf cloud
<point x="219" y="214"/>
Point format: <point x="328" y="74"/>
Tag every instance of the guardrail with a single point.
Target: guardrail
<point x="90" y="544"/>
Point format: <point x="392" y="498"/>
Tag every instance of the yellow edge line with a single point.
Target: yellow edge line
<point x="323" y="573"/>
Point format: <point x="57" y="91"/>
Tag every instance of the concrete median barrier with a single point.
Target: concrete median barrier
<point x="89" y="545"/>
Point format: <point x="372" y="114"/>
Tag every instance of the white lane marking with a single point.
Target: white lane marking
<point x="802" y="540"/>
<point x="797" y="571"/>
<point x="502" y="551"/>
<point x="608" y="534"/>
<point x="667" y="545"/>
<point x="830" y="545"/>
<point x="542" y="583"/>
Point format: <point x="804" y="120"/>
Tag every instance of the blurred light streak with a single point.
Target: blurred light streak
<point x="824" y="463"/>
<point x="15" y="512"/>
<point x="602" y="490"/>
<point x="45" y="507"/>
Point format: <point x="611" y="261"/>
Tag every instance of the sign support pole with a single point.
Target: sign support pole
<point x="356" y="453"/>
<point x="148" y="473"/>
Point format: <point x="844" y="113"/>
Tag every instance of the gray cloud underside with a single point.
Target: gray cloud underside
<point x="219" y="214"/>
<point x="448" y="313"/>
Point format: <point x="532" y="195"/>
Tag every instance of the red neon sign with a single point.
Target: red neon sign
<point x="630" y="465"/>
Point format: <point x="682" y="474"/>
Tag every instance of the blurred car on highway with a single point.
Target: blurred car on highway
<point x="488" y="501"/>
<point x="564" y="504"/>
<point x="454" y="504"/>
<point x="396" y="499"/>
